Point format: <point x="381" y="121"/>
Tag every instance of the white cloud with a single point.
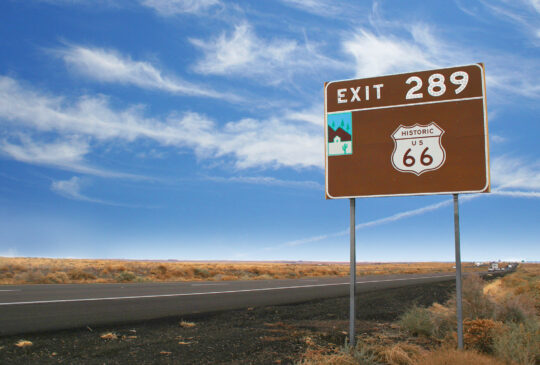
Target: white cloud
<point x="319" y="7"/>
<point x="71" y="189"/>
<point x="372" y="223"/>
<point x="272" y="142"/>
<point x="233" y="53"/>
<point x="255" y="143"/>
<point x="523" y="13"/>
<point x="380" y="55"/>
<point x="61" y="153"/>
<point x="494" y="138"/>
<point x="522" y="81"/>
<point x="508" y="172"/>
<point x="313" y="115"/>
<point x="175" y="7"/>
<point x="67" y="154"/>
<point x="408" y="214"/>
<point x="535" y="4"/>
<point x="517" y="194"/>
<point x="244" y="54"/>
<point x="110" y="66"/>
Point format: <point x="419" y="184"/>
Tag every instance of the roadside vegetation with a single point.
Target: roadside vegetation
<point x="501" y="326"/>
<point x="63" y="271"/>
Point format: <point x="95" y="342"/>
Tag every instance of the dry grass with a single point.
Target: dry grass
<point x="397" y="354"/>
<point x="23" y="343"/>
<point x="452" y="357"/>
<point x="61" y="271"/>
<point x="524" y="283"/>
<point x="501" y="326"/>
<point x="185" y="324"/>
<point x="109" y="336"/>
<point x="402" y="354"/>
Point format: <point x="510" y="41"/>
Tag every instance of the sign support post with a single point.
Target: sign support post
<point x="459" y="308"/>
<point x="416" y="133"/>
<point x="352" y="315"/>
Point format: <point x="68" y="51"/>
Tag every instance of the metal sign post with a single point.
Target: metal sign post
<point x="352" y="315"/>
<point x="417" y="133"/>
<point x="459" y="311"/>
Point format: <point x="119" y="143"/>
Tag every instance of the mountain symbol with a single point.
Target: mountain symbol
<point x="341" y="133"/>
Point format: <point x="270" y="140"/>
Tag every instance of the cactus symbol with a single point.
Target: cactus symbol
<point x="344" y="147"/>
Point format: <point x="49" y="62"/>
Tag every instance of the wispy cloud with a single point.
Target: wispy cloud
<point x="59" y="153"/>
<point x="272" y="142"/>
<point x="517" y="194"/>
<point x="407" y="214"/>
<point x="372" y="223"/>
<point x="379" y="55"/>
<point x="255" y="143"/>
<point x="395" y="47"/>
<point x="67" y="154"/>
<point x="110" y="66"/>
<point x="512" y="172"/>
<point x="319" y="7"/>
<point x="495" y="138"/>
<point x="71" y="189"/>
<point x="175" y="7"/>
<point x="523" y="13"/>
<point x="243" y="53"/>
<point x="313" y="115"/>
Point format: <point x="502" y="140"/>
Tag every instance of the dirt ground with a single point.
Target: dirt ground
<point x="261" y="335"/>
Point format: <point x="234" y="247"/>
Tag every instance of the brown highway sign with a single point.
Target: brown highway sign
<point x="417" y="133"/>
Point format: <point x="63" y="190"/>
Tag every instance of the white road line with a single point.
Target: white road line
<point x="10" y="289"/>
<point x="209" y="293"/>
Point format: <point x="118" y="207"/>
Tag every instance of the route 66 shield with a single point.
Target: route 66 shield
<point x="418" y="148"/>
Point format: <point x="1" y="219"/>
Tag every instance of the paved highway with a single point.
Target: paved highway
<point x="36" y="308"/>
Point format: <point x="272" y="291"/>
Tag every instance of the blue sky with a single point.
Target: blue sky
<point x="184" y="129"/>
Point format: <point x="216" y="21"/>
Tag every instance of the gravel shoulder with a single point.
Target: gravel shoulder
<point x="260" y="335"/>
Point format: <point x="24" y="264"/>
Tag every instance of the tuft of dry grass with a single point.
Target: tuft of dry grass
<point x="479" y="334"/>
<point x="20" y="270"/>
<point x="109" y="336"/>
<point x="23" y="343"/>
<point x="185" y="324"/>
<point x="446" y="356"/>
<point x="402" y="354"/>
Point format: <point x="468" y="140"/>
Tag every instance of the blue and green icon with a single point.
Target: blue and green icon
<point x="339" y="134"/>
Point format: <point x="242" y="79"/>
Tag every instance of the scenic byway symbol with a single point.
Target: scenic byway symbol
<point x="418" y="148"/>
<point x="339" y="130"/>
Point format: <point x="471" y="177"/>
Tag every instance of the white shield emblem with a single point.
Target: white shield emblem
<point x="418" y="148"/>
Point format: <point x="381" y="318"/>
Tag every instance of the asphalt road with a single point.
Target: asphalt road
<point x="37" y="308"/>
